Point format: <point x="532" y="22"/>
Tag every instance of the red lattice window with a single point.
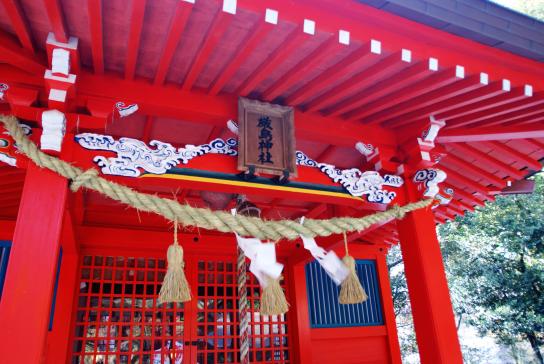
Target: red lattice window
<point x="117" y="319"/>
<point x="217" y="319"/>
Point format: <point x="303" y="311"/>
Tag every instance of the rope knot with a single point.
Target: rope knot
<point x="398" y="212"/>
<point x="82" y="179"/>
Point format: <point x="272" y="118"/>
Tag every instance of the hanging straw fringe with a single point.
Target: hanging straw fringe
<point x="273" y="301"/>
<point x="200" y="217"/>
<point x="351" y="290"/>
<point x="175" y="287"/>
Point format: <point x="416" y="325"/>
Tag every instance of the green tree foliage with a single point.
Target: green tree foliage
<point x="495" y="265"/>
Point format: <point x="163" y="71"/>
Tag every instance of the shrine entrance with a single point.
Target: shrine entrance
<point x="117" y="319"/>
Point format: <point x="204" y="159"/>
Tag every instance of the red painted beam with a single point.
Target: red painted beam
<point x="136" y="24"/>
<point x="308" y="63"/>
<point x="464" y="181"/>
<point x="255" y="37"/>
<point x="11" y="53"/>
<point x="94" y="8"/>
<point x="470" y="151"/>
<point x="177" y="26"/>
<point x="501" y="97"/>
<point x="217" y="29"/>
<point x="505" y="149"/>
<point x="526" y="120"/>
<point x="292" y="42"/>
<point x="406" y="76"/>
<point x="490" y="115"/>
<point x="361" y="80"/>
<point x="460" y="164"/>
<point x="364" y="21"/>
<point x="19" y="23"/>
<point x="372" y="109"/>
<point x="430" y="98"/>
<point x="349" y="63"/>
<point x="513" y="118"/>
<point x="441" y="110"/>
<point x="56" y="20"/>
<point x="491" y="133"/>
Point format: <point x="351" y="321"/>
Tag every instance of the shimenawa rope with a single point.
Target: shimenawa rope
<point x="199" y="217"/>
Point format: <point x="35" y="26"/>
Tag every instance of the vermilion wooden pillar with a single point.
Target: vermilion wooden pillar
<point x="434" y="321"/>
<point x="26" y="299"/>
<point x="300" y="321"/>
<point x="58" y="339"/>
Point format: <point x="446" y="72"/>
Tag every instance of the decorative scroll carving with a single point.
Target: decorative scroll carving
<point x="443" y="197"/>
<point x="429" y="179"/>
<point x="125" y="110"/>
<point x="357" y="183"/>
<point x="8" y="148"/>
<point x="3" y="88"/>
<point x="134" y="155"/>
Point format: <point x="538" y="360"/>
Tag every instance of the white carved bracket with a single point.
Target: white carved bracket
<point x="357" y="183"/>
<point x="125" y="110"/>
<point x="428" y="179"/>
<point x="54" y="128"/>
<point x="3" y="88"/>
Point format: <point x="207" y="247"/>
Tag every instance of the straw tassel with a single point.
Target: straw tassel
<point x="175" y="287"/>
<point x="351" y="290"/>
<point x="273" y="300"/>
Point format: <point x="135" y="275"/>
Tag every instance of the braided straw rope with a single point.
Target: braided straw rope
<point x="199" y="217"/>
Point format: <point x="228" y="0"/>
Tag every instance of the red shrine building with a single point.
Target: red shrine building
<point x="306" y="109"/>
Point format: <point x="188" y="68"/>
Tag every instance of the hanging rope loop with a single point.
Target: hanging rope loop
<point x="203" y="218"/>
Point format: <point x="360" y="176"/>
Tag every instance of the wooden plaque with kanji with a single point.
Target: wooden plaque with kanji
<point x="267" y="137"/>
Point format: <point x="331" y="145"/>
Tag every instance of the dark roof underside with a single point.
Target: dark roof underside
<point x="480" y="20"/>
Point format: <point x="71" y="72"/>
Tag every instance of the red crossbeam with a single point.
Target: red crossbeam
<point x="430" y="98"/>
<point x="56" y="19"/>
<point x="94" y="9"/>
<point x="136" y="25"/>
<point x="349" y="63"/>
<point x="371" y="110"/>
<point x="179" y="21"/>
<point x="19" y="23"/>
<point x="406" y="76"/>
<point x="361" y="80"/>
<point x="294" y="41"/>
<point x="490" y="133"/>
<point x="217" y="29"/>
<point x="305" y="65"/>
<point x="255" y="37"/>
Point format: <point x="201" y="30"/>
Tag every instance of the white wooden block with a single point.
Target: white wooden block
<point x="229" y="6"/>
<point x="484" y="78"/>
<point x="71" y="78"/>
<point x="54" y="128"/>
<point x="72" y="42"/>
<point x="506" y="86"/>
<point x="57" y="95"/>
<point x="459" y="71"/>
<point x="60" y="61"/>
<point x="375" y="46"/>
<point x="343" y="37"/>
<point x="433" y="64"/>
<point x="309" y="26"/>
<point x="271" y="16"/>
<point x="528" y="90"/>
<point x="406" y="55"/>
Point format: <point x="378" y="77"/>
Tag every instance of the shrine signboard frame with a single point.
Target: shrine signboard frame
<point x="266" y="138"/>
